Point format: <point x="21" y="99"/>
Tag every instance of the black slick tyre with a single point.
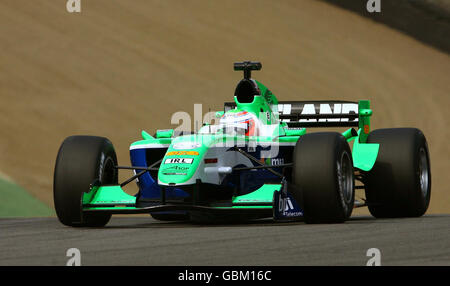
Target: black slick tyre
<point x="81" y="162"/>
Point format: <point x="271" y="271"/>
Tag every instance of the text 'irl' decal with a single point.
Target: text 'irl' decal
<point x="179" y="161"/>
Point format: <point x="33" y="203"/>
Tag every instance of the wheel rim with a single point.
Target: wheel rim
<point x="108" y="175"/>
<point x="345" y="177"/>
<point x="423" y="172"/>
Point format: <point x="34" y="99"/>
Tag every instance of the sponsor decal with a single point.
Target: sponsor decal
<point x="277" y="161"/>
<point x="319" y="108"/>
<point x="179" y="161"/>
<point x="190" y="153"/>
<point x="175" y="168"/>
<point x="272" y="161"/>
<point x="115" y="202"/>
<point x="186" y="145"/>
<point x="287" y="209"/>
<point x="211" y="160"/>
<point x="366" y="129"/>
<point x="285" y="205"/>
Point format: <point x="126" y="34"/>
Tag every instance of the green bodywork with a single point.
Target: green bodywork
<point x="108" y="195"/>
<point x="261" y="195"/>
<point x="114" y="198"/>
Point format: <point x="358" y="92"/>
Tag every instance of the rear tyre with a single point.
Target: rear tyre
<point x="82" y="161"/>
<point x="399" y="184"/>
<point x="323" y="180"/>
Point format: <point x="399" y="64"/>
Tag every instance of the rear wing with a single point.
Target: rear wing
<point x="318" y="113"/>
<point x="335" y="113"/>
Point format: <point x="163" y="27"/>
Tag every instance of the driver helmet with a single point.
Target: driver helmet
<point x="239" y="122"/>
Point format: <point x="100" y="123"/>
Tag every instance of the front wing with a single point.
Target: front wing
<point x="271" y="200"/>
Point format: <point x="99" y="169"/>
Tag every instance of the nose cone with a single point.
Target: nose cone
<point x="182" y="161"/>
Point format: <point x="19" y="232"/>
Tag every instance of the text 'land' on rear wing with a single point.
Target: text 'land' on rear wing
<point x="321" y="113"/>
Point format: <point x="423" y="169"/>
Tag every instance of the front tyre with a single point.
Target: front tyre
<point x="82" y="161"/>
<point x="322" y="175"/>
<point x="399" y="184"/>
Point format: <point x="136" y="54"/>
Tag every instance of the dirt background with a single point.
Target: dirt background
<point x="122" y="66"/>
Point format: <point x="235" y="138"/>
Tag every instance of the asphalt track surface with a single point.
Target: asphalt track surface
<point x="144" y="241"/>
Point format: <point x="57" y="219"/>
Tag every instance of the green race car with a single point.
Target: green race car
<point x="257" y="162"/>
